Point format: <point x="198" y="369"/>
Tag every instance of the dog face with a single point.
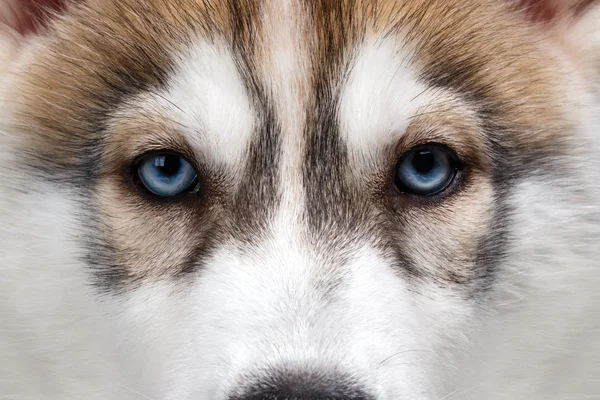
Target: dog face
<point x="297" y="200"/>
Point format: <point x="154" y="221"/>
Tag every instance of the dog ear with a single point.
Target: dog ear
<point x="20" y="19"/>
<point x="28" y="16"/>
<point x="553" y="11"/>
<point x="572" y="25"/>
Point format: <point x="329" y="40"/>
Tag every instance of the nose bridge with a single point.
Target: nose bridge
<point x="301" y="331"/>
<point x="295" y="282"/>
<point x="296" y="262"/>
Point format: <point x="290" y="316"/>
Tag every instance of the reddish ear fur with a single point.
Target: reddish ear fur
<point x="28" y="16"/>
<point x="573" y="26"/>
<point x="553" y="11"/>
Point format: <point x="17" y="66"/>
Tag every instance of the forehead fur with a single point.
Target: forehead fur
<point x="104" y="51"/>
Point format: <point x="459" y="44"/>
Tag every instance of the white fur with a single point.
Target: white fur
<point x="206" y="97"/>
<point x="53" y="340"/>
<point x="251" y="308"/>
<point x="379" y="98"/>
<point x="541" y="340"/>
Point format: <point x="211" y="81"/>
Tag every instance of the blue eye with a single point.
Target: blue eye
<point x="426" y="170"/>
<point x="166" y="174"/>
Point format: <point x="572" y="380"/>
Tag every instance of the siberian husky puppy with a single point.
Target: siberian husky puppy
<point x="300" y="199"/>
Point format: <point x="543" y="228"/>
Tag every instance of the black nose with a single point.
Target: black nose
<point x="293" y="388"/>
<point x="287" y="394"/>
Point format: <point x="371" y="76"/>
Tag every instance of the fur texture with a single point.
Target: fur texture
<point x="299" y="271"/>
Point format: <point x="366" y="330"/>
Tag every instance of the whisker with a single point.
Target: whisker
<point x="136" y="392"/>
<point x="456" y="393"/>
<point x="387" y="359"/>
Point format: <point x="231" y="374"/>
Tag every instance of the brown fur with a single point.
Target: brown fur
<point x="105" y="52"/>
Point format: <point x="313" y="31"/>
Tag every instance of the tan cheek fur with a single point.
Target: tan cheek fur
<point x="444" y="241"/>
<point x="442" y="238"/>
<point x="150" y="242"/>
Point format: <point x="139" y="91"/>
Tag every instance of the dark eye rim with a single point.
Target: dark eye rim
<point x="194" y="189"/>
<point x="457" y="165"/>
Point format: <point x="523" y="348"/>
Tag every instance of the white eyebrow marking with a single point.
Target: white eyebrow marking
<point x="206" y="95"/>
<point x="379" y="98"/>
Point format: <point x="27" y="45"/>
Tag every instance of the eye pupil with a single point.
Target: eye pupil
<point x="423" y="161"/>
<point x="169" y="165"/>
